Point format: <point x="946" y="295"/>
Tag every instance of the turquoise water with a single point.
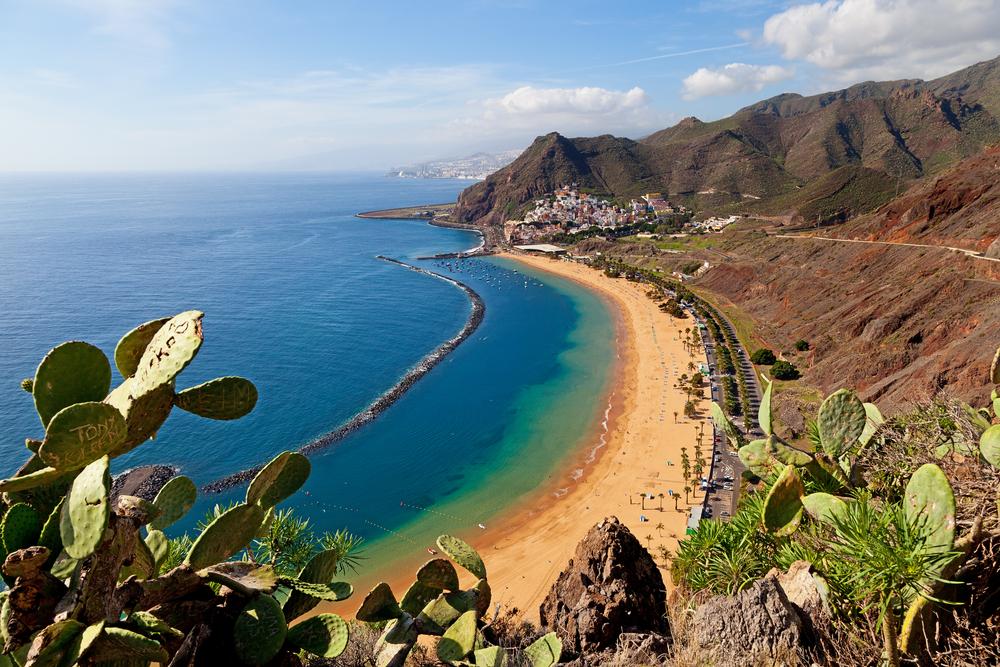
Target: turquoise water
<point x="296" y="301"/>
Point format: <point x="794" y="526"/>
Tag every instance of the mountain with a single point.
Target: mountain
<point x="829" y="155"/>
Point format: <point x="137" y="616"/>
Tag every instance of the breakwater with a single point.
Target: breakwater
<point x="393" y="394"/>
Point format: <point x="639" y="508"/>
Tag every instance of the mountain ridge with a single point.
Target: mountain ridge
<point x="764" y="157"/>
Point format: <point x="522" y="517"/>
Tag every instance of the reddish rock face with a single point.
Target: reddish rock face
<point x="610" y="586"/>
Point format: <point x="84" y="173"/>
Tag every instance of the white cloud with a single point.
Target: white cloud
<point x="732" y="78"/>
<point x="587" y="100"/>
<point x="856" y="40"/>
<point x="141" y="22"/>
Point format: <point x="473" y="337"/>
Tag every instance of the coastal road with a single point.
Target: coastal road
<point x="964" y="251"/>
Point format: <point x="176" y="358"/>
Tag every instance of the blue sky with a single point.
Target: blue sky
<point x="343" y="84"/>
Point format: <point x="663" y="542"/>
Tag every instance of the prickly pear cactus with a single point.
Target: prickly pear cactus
<point x="324" y="635"/>
<point x="169" y="352"/>
<point x="333" y="591"/>
<point x="132" y="345"/>
<point x="756" y="456"/>
<point x="995" y="368"/>
<point x="379" y="605"/>
<point x="764" y="412"/>
<point x="320" y="569"/>
<point x="930" y="499"/>
<point x="418" y="596"/>
<point x="229" y="534"/>
<point x="223" y="398"/>
<point x="989" y="445"/>
<point x="787" y="455"/>
<point x="824" y="506"/>
<point x="81" y="433"/>
<point x="74" y="372"/>
<point x="459" y="639"/>
<point x="85" y="513"/>
<point x="173" y="501"/>
<point x="438" y="573"/>
<point x="872" y="424"/>
<point x="544" y="651"/>
<point x="783" y="505"/>
<point x="279" y="479"/>
<point x="259" y="631"/>
<point x="463" y="554"/>
<point x="841" y="421"/>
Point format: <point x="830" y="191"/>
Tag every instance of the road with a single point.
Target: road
<point x="965" y="251"/>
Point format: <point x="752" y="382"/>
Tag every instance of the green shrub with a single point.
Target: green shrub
<point x="802" y="345"/>
<point x="783" y="370"/>
<point x="763" y="357"/>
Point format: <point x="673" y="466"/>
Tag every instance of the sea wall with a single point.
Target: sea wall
<point x="393" y="394"/>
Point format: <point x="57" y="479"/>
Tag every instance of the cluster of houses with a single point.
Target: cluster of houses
<point x="713" y="224"/>
<point x="567" y="210"/>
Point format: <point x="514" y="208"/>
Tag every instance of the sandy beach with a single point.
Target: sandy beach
<point x="635" y="451"/>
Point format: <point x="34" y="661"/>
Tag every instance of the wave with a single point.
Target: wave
<point x="393" y="394"/>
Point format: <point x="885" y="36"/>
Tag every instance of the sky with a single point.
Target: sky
<point x="176" y="85"/>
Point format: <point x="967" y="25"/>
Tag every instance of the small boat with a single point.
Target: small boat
<point x="432" y="552"/>
<point x="482" y="526"/>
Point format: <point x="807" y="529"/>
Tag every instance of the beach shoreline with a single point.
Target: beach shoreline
<point x="530" y="543"/>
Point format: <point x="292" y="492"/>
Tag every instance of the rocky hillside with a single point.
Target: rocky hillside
<point x="830" y="155"/>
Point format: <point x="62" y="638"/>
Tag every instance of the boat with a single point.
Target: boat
<point x="482" y="526"/>
<point x="432" y="552"/>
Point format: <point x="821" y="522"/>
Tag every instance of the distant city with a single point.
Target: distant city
<point x="473" y="167"/>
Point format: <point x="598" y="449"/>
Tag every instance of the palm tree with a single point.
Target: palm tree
<point x="675" y="416"/>
<point x="642" y="500"/>
<point x="661" y="502"/>
<point x="677" y="500"/>
<point x="660" y="527"/>
<point x="685" y="464"/>
<point x="649" y="541"/>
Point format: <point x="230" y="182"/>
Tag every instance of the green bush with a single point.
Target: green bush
<point x="802" y="345"/>
<point x="763" y="357"/>
<point x="783" y="370"/>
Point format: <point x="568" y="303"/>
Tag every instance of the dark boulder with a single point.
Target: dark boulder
<point x="610" y="587"/>
<point x="758" y="626"/>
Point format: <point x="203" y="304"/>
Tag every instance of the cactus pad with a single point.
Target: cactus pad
<point x="85" y="514"/>
<point x="929" y="498"/>
<point x="841" y="421"/>
<point x="174" y="499"/>
<point x="81" y="644"/>
<point x="119" y="643"/>
<point x="783" y="505"/>
<point x="223" y="398"/>
<point x="484" y="595"/>
<point x="132" y="345"/>
<point x="50" y="645"/>
<point x="764" y="412"/>
<point x="786" y="454"/>
<point x="443" y="610"/>
<point x="459" y="639"/>
<point x="417" y="596"/>
<point x="73" y="372"/>
<point x="169" y="352"/>
<point x="824" y="506"/>
<point x="756" y="457"/>
<point x="874" y="420"/>
<point x="159" y="546"/>
<point x="81" y="433"/>
<point x="989" y="445"/>
<point x="492" y="656"/>
<point x="259" y="631"/>
<point x="324" y="635"/>
<point x="143" y="564"/>
<point x="995" y="368"/>
<point x="379" y="605"/>
<point x="19" y="529"/>
<point x="243" y="577"/>
<point x="231" y="532"/>
<point x="144" y="412"/>
<point x="544" y="651"/>
<point x="279" y="479"/>
<point x="333" y="591"/>
<point x="438" y="573"/>
<point x="463" y="554"/>
<point x="319" y="570"/>
<point x="49" y="537"/>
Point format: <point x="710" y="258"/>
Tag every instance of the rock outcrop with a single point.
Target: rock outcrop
<point x="609" y="588"/>
<point x="758" y="626"/>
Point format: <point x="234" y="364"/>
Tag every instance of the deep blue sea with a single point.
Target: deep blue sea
<point x="296" y="300"/>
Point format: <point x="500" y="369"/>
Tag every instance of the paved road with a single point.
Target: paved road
<point x="965" y="251"/>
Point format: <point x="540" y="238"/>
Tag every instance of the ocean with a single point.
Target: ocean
<point x="296" y="300"/>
